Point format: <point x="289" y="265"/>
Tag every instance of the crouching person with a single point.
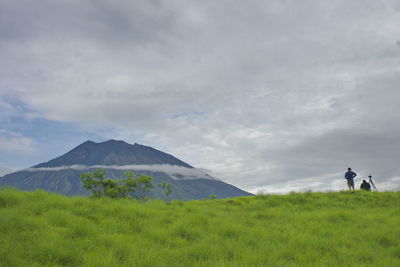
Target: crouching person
<point x="365" y="186"/>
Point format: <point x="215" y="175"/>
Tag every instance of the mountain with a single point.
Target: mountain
<point x="113" y="152"/>
<point x="61" y="174"/>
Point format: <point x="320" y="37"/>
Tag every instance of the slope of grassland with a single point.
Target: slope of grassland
<point x="309" y="229"/>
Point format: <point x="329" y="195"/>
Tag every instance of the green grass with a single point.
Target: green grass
<point x="309" y="229"/>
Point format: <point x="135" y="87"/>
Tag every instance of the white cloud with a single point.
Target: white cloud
<point x="174" y="171"/>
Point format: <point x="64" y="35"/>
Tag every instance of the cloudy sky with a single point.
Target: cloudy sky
<point x="270" y="96"/>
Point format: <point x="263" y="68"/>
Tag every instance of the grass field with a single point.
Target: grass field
<point x="308" y="229"/>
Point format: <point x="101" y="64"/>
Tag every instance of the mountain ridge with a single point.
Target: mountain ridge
<point x="113" y="152"/>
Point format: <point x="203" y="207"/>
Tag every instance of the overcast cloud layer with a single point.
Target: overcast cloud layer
<point x="270" y="96"/>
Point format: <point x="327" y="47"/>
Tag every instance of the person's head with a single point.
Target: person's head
<point x="349" y="169"/>
<point x="364" y="181"/>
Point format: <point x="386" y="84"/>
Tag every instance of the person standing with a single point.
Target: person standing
<point x="349" y="176"/>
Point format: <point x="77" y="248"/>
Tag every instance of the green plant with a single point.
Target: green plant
<point x="137" y="186"/>
<point x="133" y="185"/>
<point x="167" y="189"/>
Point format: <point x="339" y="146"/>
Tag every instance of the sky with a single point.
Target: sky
<point x="270" y="96"/>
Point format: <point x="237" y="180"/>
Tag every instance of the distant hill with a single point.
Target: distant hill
<point x="61" y="175"/>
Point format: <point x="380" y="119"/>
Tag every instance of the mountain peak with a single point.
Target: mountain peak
<point x="88" y="142"/>
<point x="110" y="141"/>
<point x="113" y="141"/>
<point x="113" y="152"/>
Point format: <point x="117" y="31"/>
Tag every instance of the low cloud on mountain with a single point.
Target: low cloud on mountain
<point x="173" y="171"/>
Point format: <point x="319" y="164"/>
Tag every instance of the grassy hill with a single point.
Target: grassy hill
<point x="309" y="229"/>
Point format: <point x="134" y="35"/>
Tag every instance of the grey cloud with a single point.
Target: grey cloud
<point x="368" y="153"/>
<point x="100" y="21"/>
<point x="14" y="143"/>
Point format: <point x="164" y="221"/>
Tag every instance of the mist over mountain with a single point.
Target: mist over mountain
<point x="61" y="174"/>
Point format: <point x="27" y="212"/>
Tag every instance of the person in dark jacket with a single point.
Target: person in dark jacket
<point x="349" y="176"/>
<point x="365" y="186"/>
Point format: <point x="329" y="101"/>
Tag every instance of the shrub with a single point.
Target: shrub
<point x="133" y="185"/>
